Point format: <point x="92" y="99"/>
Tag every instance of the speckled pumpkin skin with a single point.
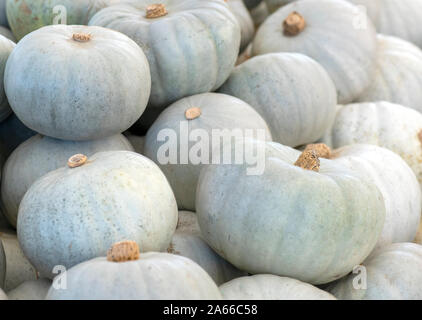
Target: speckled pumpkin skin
<point x="116" y="195"/>
<point x="154" y="276"/>
<point x="101" y="90"/>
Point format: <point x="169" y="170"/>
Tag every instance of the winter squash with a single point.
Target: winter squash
<point x="108" y="72"/>
<point x="328" y="32"/>
<point x="304" y="217"/>
<point x="2" y="265"/>
<point x="138" y="142"/>
<point x="40" y="155"/>
<point x="92" y="203"/>
<point x="191" y="45"/>
<point x="292" y="92"/>
<point x="214" y="113"/>
<point x="30" y="290"/>
<point x="6" y="47"/>
<point x="3" y="17"/>
<point x="12" y="133"/>
<point x="187" y="242"/>
<point x="26" y="16"/>
<point x="392" y="273"/>
<point x="384" y="124"/>
<point x="130" y="275"/>
<point x="244" y="18"/>
<point x="7" y="33"/>
<point x="396" y="80"/>
<point x="271" y="287"/>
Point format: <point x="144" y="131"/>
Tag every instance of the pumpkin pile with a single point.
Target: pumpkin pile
<point x="210" y="149"/>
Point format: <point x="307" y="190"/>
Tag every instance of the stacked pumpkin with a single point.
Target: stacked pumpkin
<point x="109" y="171"/>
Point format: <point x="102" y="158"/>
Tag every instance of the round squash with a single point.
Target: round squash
<point x="326" y="31"/>
<point x="2" y="265"/>
<point x="384" y="124"/>
<point x="12" y="133"/>
<point x="397" y="76"/>
<point x="92" y="203"/>
<point x="191" y="45"/>
<point x="244" y="18"/>
<point x="6" y="47"/>
<point x="102" y="87"/>
<point x="39" y="155"/>
<point x="26" y="16"/>
<point x="304" y="217"/>
<point x="187" y="242"/>
<point x="391" y="273"/>
<point x="31" y="290"/>
<point x="128" y="275"/>
<point x="292" y="92"/>
<point x="213" y="111"/>
<point x="271" y="287"/>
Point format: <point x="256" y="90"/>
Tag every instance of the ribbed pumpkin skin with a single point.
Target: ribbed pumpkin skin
<point x="292" y="92"/>
<point x="154" y="276"/>
<point x="31" y="290"/>
<point x="6" y="47"/>
<point x="117" y="195"/>
<point x="393" y="273"/>
<point x="187" y="242"/>
<point x="190" y="50"/>
<point x="2" y="265"/>
<point x="101" y="90"/>
<point x="26" y="16"/>
<point x="40" y="155"/>
<point x="392" y="176"/>
<point x="330" y="37"/>
<point x="384" y="124"/>
<point x="244" y="18"/>
<point x="271" y="287"/>
<point x="397" y="76"/>
<point x="311" y="226"/>
<point x="219" y="111"/>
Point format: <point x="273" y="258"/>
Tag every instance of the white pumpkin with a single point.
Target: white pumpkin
<point x="244" y="18"/>
<point x="127" y="275"/>
<point x="293" y="93"/>
<point x="212" y="112"/>
<point x="6" y="47"/>
<point x="391" y="273"/>
<point x="326" y="31"/>
<point x="93" y="203"/>
<point x="397" y="77"/>
<point x="187" y="242"/>
<point x="39" y="155"/>
<point x="30" y="290"/>
<point x="101" y="90"/>
<point x="312" y="225"/>
<point x="271" y="287"/>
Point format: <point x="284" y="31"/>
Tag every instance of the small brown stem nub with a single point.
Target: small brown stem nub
<point x="309" y="159"/>
<point x="193" y="113"/>
<point x="155" y="11"/>
<point x="77" y="160"/>
<point x="82" y="37"/>
<point x="294" y="24"/>
<point x="123" y="251"/>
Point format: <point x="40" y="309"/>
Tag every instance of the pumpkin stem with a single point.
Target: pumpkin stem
<point x="77" y="160"/>
<point x="155" y="11"/>
<point x="82" y="37"/>
<point x="123" y="251"/>
<point x="294" y="24"/>
<point x="192" y="113"/>
<point x="309" y="159"/>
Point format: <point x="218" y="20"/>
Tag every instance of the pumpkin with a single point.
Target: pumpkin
<point x="384" y="124"/>
<point x="92" y="203"/>
<point x="304" y="217"/>
<point x="292" y="92"/>
<point x="102" y="87"/>
<point x="197" y="116"/>
<point x="126" y="274"/>
<point x="6" y="47"/>
<point x="2" y="265"/>
<point x="7" y="33"/>
<point x="3" y="17"/>
<point x="244" y="18"/>
<point x="396" y="80"/>
<point x="26" y="16"/>
<point x="392" y="273"/>
<point x="259" y="14"/>
<point x="271" y="287"/>
<point x="31" y="290"/>
<point x="40" y="155"/>
<point x="138" y="142"/>
<point x="191" y="45"/>
<point x="326" y="31"/>
<point x="187" y="242"/>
